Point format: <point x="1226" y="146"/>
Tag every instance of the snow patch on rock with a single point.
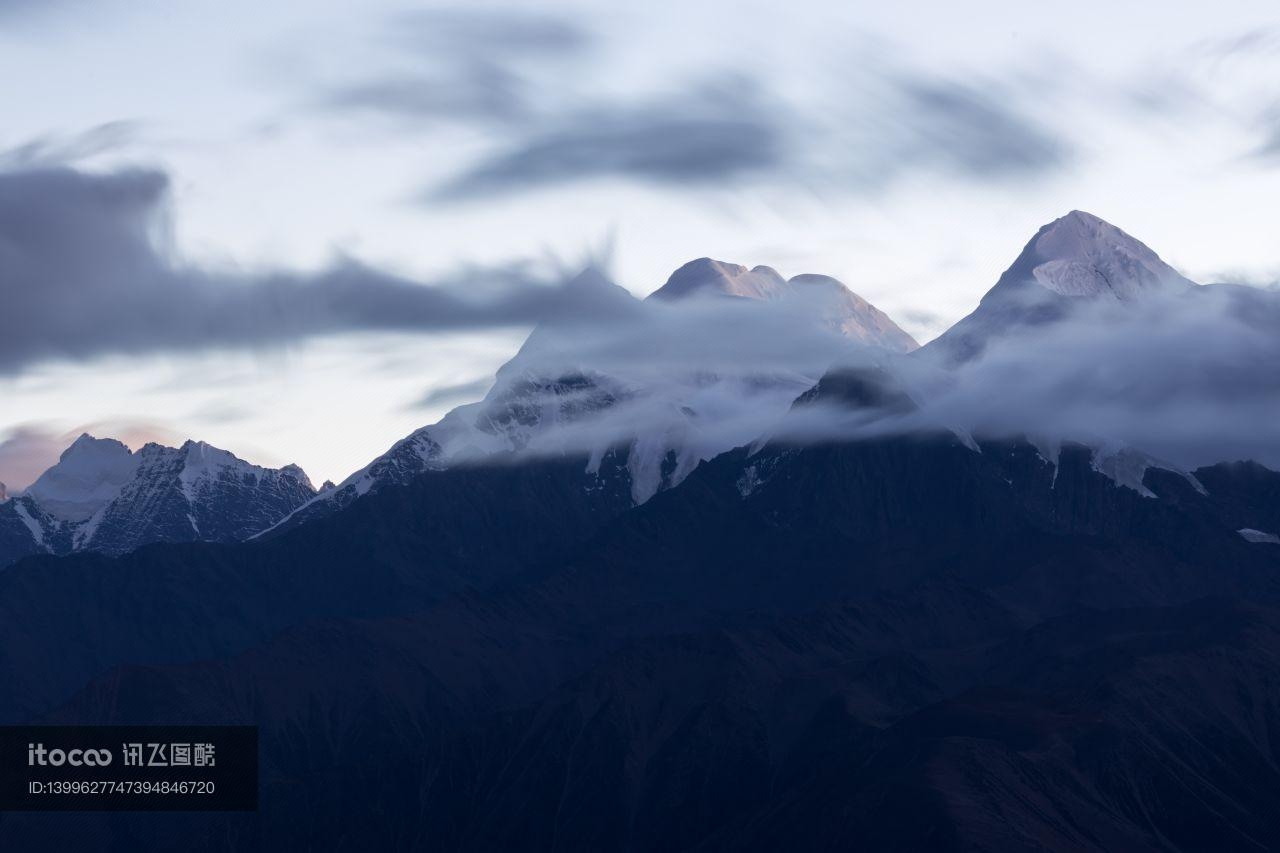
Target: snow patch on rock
<point x="1251" y="535"/>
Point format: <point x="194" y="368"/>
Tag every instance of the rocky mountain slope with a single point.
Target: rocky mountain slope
<point x="866" y="637"/>
<point x="103" y="497"/>
<point x="906" y="643"/>
<point x="555" y="395"/>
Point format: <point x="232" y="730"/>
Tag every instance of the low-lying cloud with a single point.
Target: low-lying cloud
<point x="1187" y="379"/>
<point x="1190" y="379"/>
<point x="1193" y="378"/>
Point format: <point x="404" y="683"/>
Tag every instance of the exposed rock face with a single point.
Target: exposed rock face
<point x="652" y="429"/>
<point x="102" y="497"/>
<point x="901" y="642"/>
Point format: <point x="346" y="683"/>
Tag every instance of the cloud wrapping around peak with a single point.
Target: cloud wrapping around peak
<point x="1191" y="377"/>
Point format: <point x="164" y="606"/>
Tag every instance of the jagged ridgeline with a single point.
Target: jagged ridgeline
<point x="604" y="609"/>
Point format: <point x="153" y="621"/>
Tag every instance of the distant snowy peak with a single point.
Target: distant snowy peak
<point x="195" y="492"/>
<point x="836" y="306"/>
<point x="101" y="496"/>
<point x="1081" y="255"/>
<point x="88" y="476"/>
<point x="202" y="465"/>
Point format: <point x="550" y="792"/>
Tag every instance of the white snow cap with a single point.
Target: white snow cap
<point x="1082" y="255"/>
<point x="704" y="277"/>
<point x="837" y="307"/>
<point x="88" y="476"/>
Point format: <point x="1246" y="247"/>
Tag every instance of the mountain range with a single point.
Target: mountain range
<point x="585" y="614"/>
<point x="101" y="496"/>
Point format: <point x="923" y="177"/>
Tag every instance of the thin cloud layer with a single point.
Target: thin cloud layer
<point x="713" y="135"/>
<point x="460" y="65"/>
<point x="84" y="271"/>
<point x="862" y="128"/>
<point x="66" y="149"/>
<point x="969" y="133"/>
<point x="890" y="125"/>
<point x="1188" y="379"/>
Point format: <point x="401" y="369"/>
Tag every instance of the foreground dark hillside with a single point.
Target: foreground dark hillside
<point x="902" y="644"/>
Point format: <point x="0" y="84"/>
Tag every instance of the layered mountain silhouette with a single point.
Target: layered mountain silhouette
<point x="103" y="497"/>
<point x="648" y="425"/>
<point x="877" y="639"/>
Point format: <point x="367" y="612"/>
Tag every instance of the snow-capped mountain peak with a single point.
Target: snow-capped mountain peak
<point x="101" y="496"/>
<point x="837" y="308"/>
<point x="707" y="277"/>
<point x="648" y="427"/>
<point x="1074" y="260"/>
<point x="1081" y="255"/>
<point x="848" y="314"/>
<point x="88" y="475"/>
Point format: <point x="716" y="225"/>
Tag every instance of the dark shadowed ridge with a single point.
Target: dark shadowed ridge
<point x="804" y="648"/>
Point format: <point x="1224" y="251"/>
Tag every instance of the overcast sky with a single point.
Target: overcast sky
<point x="216" y="219"/>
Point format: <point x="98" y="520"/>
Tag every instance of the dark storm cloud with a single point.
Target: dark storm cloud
<point x="460" y="65"/>
<point x="84" y="271"/>
<point x="716" y="134"/>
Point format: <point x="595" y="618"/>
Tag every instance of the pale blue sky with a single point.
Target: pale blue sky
<point x="909" y="149"/>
